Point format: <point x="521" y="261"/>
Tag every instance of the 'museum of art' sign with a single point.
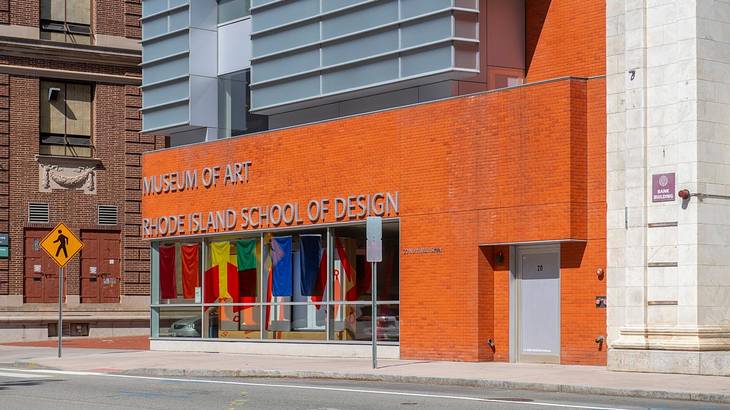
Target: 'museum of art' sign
<point x="313" y="211"/>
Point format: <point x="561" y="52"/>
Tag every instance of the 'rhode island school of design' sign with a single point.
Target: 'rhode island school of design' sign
<point x="662" y="187"/>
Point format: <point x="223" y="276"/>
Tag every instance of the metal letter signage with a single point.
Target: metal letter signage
<point x="663" y="187"/>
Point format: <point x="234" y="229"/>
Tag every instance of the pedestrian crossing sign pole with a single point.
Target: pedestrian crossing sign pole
<point x="61" y="245"/>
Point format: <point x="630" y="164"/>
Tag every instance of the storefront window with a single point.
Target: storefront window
<point x="176" y="322"/>
<point x="353" y="275"/>
<point x="307" y="284"/>
<point x="232" y="271"/>
<point x="178" y="266"/>
<point x="353" y="322"/>
<point x="232" y="322"/>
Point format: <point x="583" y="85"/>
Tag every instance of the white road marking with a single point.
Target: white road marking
<point x="18" y="374"/>
<point x="304" y="387"/>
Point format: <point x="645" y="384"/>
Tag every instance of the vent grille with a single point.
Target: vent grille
<point x="38" y="213"/>
<point x="108" y="215"/>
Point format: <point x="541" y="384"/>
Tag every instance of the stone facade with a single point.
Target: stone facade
<point x="668" y="107"/>
<point x="110" y="177"/>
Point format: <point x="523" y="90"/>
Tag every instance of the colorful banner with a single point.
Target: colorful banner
<point x="210" y="293"/>
<point x="190" y="269"/>
<point x="168" y="287"/>
<point x="310" y="256"/>
<point x="281" y="253"/>
<point x="220" y="256"/>
<point x="247" y="262"/>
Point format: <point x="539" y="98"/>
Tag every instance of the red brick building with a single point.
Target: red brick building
<point x="70" y="152"/>
<point x="494" y="206"/>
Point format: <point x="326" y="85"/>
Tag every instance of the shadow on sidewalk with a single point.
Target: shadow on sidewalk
<point x="401" y="364"/>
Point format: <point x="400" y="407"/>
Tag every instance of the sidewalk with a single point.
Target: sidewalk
<point x="555" y="378"/>
<point x="113" y="342"/>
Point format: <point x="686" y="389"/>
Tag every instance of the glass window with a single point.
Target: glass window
<point x="179" y="273"/>
<point x="232" y="271"/>
<point x="232" y="105"/>
<point x="352" y="275"/>
<point x="234" y="108"/>
<point x="176" y="322"/>
<point x="229" y="10"/>
<point x="301" y="284"/>
<point x="232" y="322"/>
<point x="232" y="288"/>
<point x="67" y="21"/>
<point x="295" y="285"/>
<point x="65" y="119"/>
<point x="353" y="322"/>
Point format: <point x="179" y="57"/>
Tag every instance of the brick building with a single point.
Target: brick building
<point x="475" y="129"/>
<point x="70" y="152"/>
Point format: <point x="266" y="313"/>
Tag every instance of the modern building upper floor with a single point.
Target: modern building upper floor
<point x="213" y="69"/>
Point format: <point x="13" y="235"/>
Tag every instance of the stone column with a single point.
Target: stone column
<point x="668" y="262"/>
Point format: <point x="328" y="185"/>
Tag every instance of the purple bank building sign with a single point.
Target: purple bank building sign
<point x="662" y="187"/>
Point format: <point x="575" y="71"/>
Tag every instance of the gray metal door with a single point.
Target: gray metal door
<point x="539" y="306"/>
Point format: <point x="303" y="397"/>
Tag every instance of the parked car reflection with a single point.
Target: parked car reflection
<point x="186" y="327"/>
<point x="388" y="324"/>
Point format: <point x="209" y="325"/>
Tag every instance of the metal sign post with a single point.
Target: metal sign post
<point x="59" y="328"/>
<point x="374" y="314"/>
<point x="374" y="235"/>
<point x="61" y="244"/>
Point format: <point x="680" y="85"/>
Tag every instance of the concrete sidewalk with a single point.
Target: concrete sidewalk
<point x="553" y="378"/>
<point x="112" y="342"/>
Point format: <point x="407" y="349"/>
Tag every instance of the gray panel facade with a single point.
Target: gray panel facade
<point x="301" y="61"/>
<point x="312" y="52"/>
<point x="178" y="44"/>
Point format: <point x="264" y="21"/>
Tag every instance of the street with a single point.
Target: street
<point x="44" y="389"/>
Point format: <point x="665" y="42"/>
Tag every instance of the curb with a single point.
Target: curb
<point x="446" y="381"/>
<point x="495" y="384"/>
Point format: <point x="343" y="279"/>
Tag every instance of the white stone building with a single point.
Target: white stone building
<point x="668" y="92"/>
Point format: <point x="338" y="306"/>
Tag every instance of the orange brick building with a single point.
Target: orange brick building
<point x="474" y="191"/>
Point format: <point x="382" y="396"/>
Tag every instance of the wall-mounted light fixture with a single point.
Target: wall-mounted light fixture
<point x="600" y="273"/>
<point x="685" y="194"/>
<point x="499" y="258"/>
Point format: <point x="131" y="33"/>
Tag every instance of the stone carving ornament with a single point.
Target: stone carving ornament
<point x="81" y="176"/>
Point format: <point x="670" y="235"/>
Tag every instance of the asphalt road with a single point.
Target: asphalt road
<point x="40" y="389"/>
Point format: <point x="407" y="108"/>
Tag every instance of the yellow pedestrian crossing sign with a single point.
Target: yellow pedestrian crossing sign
<point x="61" y="244"/>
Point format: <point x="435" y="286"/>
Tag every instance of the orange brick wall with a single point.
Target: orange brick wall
<point x="579" y="262"/>
<point x="505" y="166"/>
<point x="565" y="38"/>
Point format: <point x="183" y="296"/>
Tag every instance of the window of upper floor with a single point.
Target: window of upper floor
<point x="229" y="10"/>
<point x="65" y="119"/>
<point x="66" y="21"/>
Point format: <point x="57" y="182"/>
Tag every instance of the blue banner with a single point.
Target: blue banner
<point x="282" y="259"/>
<point x="310" y="254"/>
